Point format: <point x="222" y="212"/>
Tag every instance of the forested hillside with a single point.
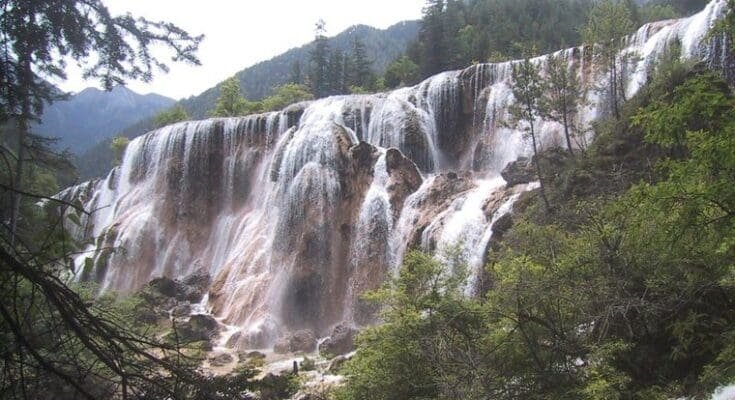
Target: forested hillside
<point x="381" y="47"/>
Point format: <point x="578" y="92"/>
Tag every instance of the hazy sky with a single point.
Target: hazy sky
<point x="241" y="33"/>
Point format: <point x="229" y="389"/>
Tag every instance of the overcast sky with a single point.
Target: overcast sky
<point x="241" y="33"/>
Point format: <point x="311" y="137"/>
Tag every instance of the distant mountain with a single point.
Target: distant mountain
<point x="93" y="115"/>
<point x="383" y="46"/>
<point x="257" y="81"/>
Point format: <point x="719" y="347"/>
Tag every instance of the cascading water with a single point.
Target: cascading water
<point x="294" y="213"/>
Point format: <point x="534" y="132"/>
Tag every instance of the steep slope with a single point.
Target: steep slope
<point x="92" y="115"/>
<point x="383" y="46"/>
<point x="295" y="213"/>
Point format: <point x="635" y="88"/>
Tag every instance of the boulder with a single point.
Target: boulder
<point x="198" y="327"/>
<point x="341" y="341"/>
<point x="181" y="310"/>
<point x="194" y="287"/>
<point x="282" y="346"/>
<point x="519" y="172"/>
<point x="301" y="341"/>
<point x="220" y="360"/>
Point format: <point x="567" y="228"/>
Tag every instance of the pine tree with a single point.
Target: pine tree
<point x="606" y="28"/>
<point x="528" y="89"/>
<point x="231" y="103"/>
<point x="38" y="38"/>
<point x="320" y="62"/>
<point x="362" y="73"/>
<point x="564" y="96"/>
<point x="433" y="51"/>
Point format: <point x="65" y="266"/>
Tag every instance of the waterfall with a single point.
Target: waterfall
<point x="295" y="213"/>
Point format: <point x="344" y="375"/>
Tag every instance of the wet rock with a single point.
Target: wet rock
<point x="220" y="360"/>
<point x="198" y="327"/>
<point x="364" y="155"/>
<point x="341" y="341"/>
<point x="405" y="178"/>
<point x="415" y="143"/>
<point x="301" y="341"/>
<point x="519" y="172"/>
<point x="181" y="310"/>
<point x="251" y="355"/>
<point x="163" y="286"/>
<point x="336" y="364"/>
<point x="282" y="345"/>
<point x="194" y="287"/>
<point x="502" y="225"/>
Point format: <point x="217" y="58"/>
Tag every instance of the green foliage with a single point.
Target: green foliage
<point x="528" y="89"/>
<point x="563" y="97"/>
<point x="285" y="95"/>
<point x="118" y="146"/>
<point x="173" y="115"/>
<point x="231" y="102"/>
<point x="627" y="295"/>
<point x="401" y="72"/>
<point x="608" y="24"/>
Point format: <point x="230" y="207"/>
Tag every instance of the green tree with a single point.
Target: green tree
<point x="285" y="95"/>
<point x="231" y="102"/>
<point x="433" y="50"/>
<point x="528" y="89"/>
<point x="563" y="97"/>
<point x="37" y="40"/>
<point x="173" y="115"/>
<point x="118" y="146"/>
<point x="319" y="71"/>
<point x="401" y="72"/>
<point x="362" y="72"/>
<point x="609" y="22"/>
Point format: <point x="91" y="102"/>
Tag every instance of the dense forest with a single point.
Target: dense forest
<point x="614" y="280"/>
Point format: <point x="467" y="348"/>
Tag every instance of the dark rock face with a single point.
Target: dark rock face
<point x="161" y="291"/>
<point x="405" y="179"/>
<point x="519" y="172"/>
<point x="198" y="327"/>
<point x="342" y="341"/>
<point x="303" y="341"/>
<point x="221" y="360"/>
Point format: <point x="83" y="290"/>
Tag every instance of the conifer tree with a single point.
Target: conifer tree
<point x="608" y="23"/>
<point x="528" y="89"/>
<point x="563" y="97"/>
<point x="231" y="103"/>
<point x="362" y="74"/>
<point x="319" y="75"/>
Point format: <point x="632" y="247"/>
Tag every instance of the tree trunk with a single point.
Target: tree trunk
<point x="536" y="161"/>
<point x="566" y="126"/>
<point x="27" y="76"/>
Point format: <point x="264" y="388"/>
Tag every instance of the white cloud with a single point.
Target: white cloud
<point x="241" y="33"/>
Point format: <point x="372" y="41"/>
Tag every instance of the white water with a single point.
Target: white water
<point x="273" y="206"/>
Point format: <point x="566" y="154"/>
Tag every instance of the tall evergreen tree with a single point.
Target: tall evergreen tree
<point x="362" y="73"/>
<point x="296" y="74"/>
<point x="38" y="38"/>
<point x="528" y="89"/>
<point x="319" y="75"/>
<point x="431" y="36"/>
<point x="561" y="101"/>
<point x="608" y="23"/>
